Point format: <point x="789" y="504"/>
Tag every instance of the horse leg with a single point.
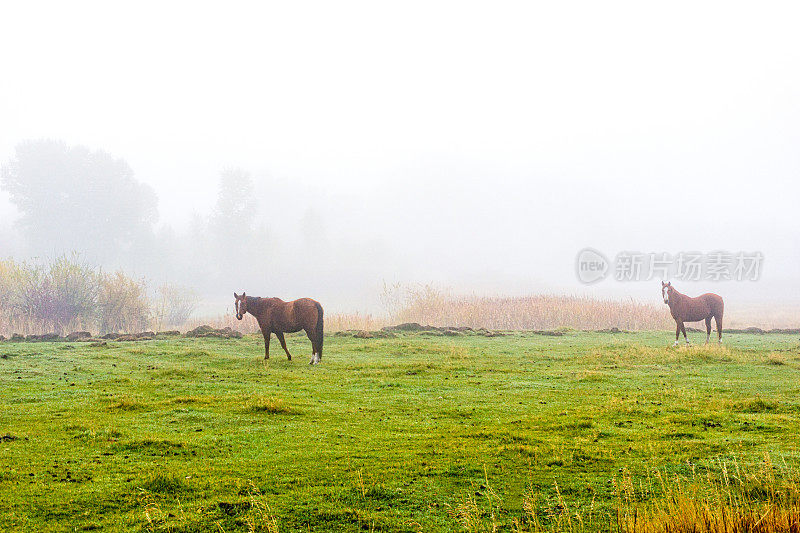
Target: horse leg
<point x="677" y="332"/>
<point x="708" y="328"/>
<point x="718" y="320"/>
<point x="266" y="344"/>
<point x="315" y="355"/>
<point x="283" y="343"/>
<point x="317" y="344"/>
<point x="683" y="329"/>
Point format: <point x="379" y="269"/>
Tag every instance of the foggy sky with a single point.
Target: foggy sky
<point x="474" y="146"/>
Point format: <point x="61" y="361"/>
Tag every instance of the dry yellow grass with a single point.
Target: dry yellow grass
<point x="729" y="498"/>
<point x="438" y="308"/>
<point x="762" y="498"/>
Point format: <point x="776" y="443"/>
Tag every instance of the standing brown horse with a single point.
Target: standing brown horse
<point x="687" y="309"/>
<point x="279" y="317"/>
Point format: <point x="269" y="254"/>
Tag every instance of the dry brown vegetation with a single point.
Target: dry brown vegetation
<point x="67" y="295"/>
<point x="437" y="308"/>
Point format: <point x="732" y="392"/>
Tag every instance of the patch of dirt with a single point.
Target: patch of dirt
<point x="434" y="331"/>
<point x="208" y="331"/>
<point x="128" y="337"/>
<point x="364" y="334"/>
<point x="408" y="326"/>
<point x="45" y="337"/>
<point x="78" y="336"/>
<point x="233" y="509"/>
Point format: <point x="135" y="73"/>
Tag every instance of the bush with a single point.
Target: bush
<point x="54" y="297"/>
<point x="122" y="304"/>
<point x="67" y="295"/>
<point x="11" y="278"/>
<point x="73" y="288"/>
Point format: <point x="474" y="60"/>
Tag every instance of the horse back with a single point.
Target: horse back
<point x="698" y="308"/>
<point x="289" y="317"/>
<point x="714" y="302"/>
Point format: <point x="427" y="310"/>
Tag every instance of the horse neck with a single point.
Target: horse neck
<point x="254" y="304"/>
<point x="676" y="297"/>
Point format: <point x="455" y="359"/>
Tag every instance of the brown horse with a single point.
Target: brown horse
<point x="279" y="317"/>
<point x="687" y="309"/>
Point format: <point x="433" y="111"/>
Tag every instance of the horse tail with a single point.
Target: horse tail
<point x="319" y="329"/>
<point x="718" y="318"/>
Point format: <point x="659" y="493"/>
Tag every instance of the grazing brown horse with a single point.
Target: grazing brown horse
<point x="687" y="309"/>
<point x="279" y="317"/>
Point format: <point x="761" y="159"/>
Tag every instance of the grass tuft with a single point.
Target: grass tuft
<point x="756" y="405"/>
<point x="776" y="358"/>
<point x="129" y="404"/>
<point x="165" y="484"/>
<point x="270" y="405"/>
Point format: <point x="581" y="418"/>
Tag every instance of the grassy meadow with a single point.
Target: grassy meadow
<point x="585" y="431"/>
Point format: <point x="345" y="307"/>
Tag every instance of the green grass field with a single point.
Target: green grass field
<point x="413" y="433"/>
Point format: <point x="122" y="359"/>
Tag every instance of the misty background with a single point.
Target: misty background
<point x="323" y="150"/>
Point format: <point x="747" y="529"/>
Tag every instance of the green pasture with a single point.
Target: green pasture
<point x="419" y="432"/>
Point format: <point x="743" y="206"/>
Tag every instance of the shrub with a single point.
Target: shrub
<point x="11" y="279"/>
<point x="122" y="304"/>
<point x="49" y="298"/>
<point x="67" y="295"/>
<point x="73" y="288"/>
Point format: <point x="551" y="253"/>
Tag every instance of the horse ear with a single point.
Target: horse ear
<point x="663" y="284"/>
<point x="235" y="295"/>
<point x="669" y="284"/>
<point x="242" y="296"/>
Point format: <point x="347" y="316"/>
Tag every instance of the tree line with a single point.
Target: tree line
<point x="74" y="199"/>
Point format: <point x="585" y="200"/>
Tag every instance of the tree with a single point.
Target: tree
<point x="74" y="199"/>
<point x="233" y="221"/>
<point x="234" y="213"/>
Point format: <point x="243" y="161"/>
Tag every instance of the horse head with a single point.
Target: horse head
<point x="666" y="290"/>
<point x="240" y="304"/>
